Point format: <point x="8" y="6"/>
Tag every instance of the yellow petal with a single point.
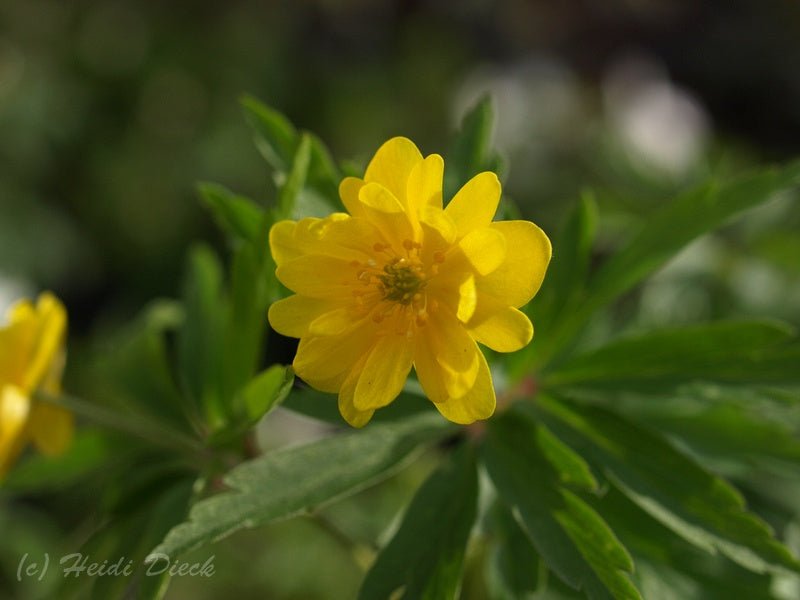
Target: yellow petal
<point x="455" y="351"/>
<point x="348" y="410"/>
<point x="467" y="299"/>
<point x="484" y="248"/>
<point x="476" y="203"/>
<point x="392" y="165"/>
<point x="17" y="340"/>
<point x="440" y="230"/>
<point x="430" y="373"/>
<point x="290" y="240"/>
<point x="384" y="211"/>
<point x="507" y="330"/>
<point x="353" y="233"/>
<point x="332" y="322"/>
<point x="476" y="404"/>
<point x="282" y="244"/>
<point x="325" y="361"/>
<point x="425" y="184"/>
<point x="319" y="276"/>
<point x="384" y="373"/>
<point x="51" y="428"/>
<point x="518" y="279"/>
<point x="348" y="192"/>
<point x="292" y="316"/>
<point x="47" y="361"/>
<point x="14" y="414"/>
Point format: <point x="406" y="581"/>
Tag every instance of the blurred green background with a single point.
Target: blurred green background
<point x="110" y="112"/>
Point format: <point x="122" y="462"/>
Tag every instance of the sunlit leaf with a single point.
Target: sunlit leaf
<point x="572" y="538"/>
<point x="667" y="484"/>
<point x="669" y="568"/>
<point x="297" y="479"/>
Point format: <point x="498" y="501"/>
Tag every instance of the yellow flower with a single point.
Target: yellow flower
<point x="401" y="282"/>
<point x="31" y="359"/>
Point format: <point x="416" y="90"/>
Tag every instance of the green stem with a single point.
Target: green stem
<point x="135" y="425"/>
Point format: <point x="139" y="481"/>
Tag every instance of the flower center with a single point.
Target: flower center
<point x="396" y="292"/>
<point x="401" y="280"/>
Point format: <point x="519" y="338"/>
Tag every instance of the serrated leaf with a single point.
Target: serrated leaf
<point x="570" y="536"/>
<point x="670" y="486"/>
<point x="238" y="216"/>
<point x="425" y="557"/>
<point x="471" y="149"/>
<point x="668" y="567"/>
<point x="742" y="426"/>
<point x="726" y="351"/>
<point x="290" y="481"/>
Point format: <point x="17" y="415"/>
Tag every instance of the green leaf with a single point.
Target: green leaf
<point x="296" y="180"/>
<point x="726" y="351"/>
<point x="665" y="233"/>
<point x="668" y="567"/>
<point x="323" y="174"/>
<point x="267" y="389"/>
<point x="741" y="426"/>
<point x="287" y="482"/>
<point x="572" y="538"/>
<point x="671" y="487"/>
<point x="89" y="451"/>
<point x="471" y="149"/>
<point x="690" y="215"/>
<point x="425" y="557"/>
<point x="279" y="141"/>
<point x="251" y="289"/>
<point x="515" y="569"/>
<point x="200" y="339"/>
<point x="276" y="137"/>
<point x="567" y="275"/>
<point x="128" y="537"/>
<point x="319" y="405"/>
<point x="238" y="216"/>
<point x="132" y="373"/>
